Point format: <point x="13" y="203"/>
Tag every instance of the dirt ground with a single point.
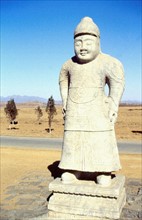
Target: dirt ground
<point x="15" y="162"/>
<point x="128" y="126"/>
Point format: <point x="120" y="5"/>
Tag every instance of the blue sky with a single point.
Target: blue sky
<point x="37" y="38"/>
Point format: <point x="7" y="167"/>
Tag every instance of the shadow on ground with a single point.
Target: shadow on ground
<point x="28" y="198"/>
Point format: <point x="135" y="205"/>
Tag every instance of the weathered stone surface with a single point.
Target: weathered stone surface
<point x="38" y="209"/>
<point x="63" y="216"/>
<point x="87" y="205"/>
<point x="89" y="143"/>
<point x="133" y="207"/>
<point x="26" y="199"/>
<point x="89" y="187"/>
<point x="85" y="198"/>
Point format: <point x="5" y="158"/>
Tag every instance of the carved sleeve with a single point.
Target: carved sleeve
<point x="116" y="82"/>
<point x="64" y="83"/>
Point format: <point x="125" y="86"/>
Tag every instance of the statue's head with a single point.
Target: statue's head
<point x="86" y="40"/>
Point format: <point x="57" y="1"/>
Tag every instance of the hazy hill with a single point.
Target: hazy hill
<point x="22" y="99"/>
<point x="25" y="99"/>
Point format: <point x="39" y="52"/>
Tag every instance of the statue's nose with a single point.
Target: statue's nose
<point x="83" y="47"/>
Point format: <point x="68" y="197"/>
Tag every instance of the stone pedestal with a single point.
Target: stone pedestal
<point x="86" y="199"/>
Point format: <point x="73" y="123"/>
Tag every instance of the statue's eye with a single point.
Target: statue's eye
<point x="89" y="42"/>
<point x="78" y="43"/>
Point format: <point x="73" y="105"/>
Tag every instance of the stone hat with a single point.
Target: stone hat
<point x="87" y="26"/>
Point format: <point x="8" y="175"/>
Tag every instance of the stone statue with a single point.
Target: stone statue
<point x="89" y="143"/>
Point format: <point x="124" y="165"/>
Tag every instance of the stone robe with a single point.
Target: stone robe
<point x="89" y="142"/>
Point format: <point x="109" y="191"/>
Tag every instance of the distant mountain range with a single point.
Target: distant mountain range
<point x="25" y="99"/>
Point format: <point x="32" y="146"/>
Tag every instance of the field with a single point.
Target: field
<point x="128" y="126"/>
<point x="17" y="162"/>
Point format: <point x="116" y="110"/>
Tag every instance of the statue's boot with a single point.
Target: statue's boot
<point x="68" y="178"/>
<point x="104" y="180"/>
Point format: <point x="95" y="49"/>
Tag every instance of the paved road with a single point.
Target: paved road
<point x="31" y="142"/>
<point x="56" y="143"/>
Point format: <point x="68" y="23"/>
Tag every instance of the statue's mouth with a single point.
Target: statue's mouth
<point x="83" y="53"/>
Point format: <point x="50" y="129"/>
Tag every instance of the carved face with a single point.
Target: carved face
<point x="86" y="48"/>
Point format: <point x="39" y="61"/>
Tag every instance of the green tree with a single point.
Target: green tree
<point x="39" y="113"/>
<point x="51" y="111"/>
<point x="11" y="112"/>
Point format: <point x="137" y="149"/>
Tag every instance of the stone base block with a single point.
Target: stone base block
<point x="64" y="216"/>
<point x="81" y="187"/>
<point x="85" y="199"/>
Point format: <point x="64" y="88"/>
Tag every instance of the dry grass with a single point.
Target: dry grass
<point x="28" y="125"/>
<point x="128" y="126"/>
<point x="129" y="123"/>
<point x="16" y="163"/>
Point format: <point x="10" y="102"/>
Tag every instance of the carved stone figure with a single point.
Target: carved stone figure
<point x="89" y="143"/>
